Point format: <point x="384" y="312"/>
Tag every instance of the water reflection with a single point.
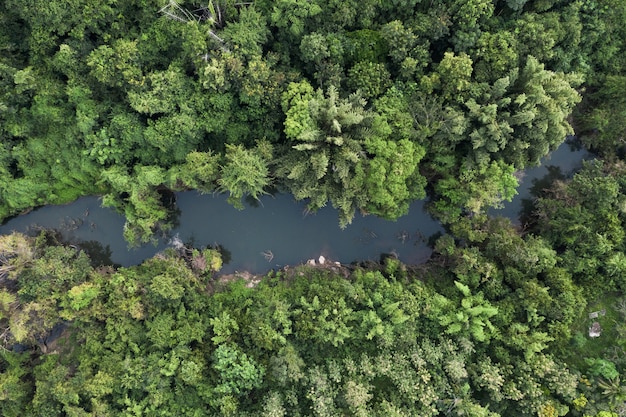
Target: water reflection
<point x="99" y="254"/>
<point x="537" y="190"/>
<point x="557" y="165"/>
<point x="275" y="224"/>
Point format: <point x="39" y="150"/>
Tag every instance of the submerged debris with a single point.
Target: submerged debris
<point x="403" y="236"/>
<point x="268" y="255"/>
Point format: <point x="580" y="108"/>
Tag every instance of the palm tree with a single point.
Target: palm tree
<point x="325" y="163"/>
<point x="614" y="390"/>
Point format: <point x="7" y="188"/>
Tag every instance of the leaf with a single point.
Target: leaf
<point x="454" y="328"/>
<point x="463" y="288"/>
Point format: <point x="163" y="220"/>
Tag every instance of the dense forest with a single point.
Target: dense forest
<point x="364" y="105"/>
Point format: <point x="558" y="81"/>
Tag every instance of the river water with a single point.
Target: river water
<point x="278" y="225"/>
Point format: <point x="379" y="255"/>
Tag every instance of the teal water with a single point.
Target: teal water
<point x="562" y="162"/>
<point x="277" y="224"/>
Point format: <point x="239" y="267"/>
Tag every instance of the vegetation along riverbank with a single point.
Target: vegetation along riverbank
<point x="364" y="105"/>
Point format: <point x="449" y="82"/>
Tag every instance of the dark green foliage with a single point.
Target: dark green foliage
<point x="310" y="340"/>
<point x="583" y="219"/>
<point x="95" y="91"/>
<point x="367" y="105"/>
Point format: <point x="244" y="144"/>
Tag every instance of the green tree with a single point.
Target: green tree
<point x="360" y="159"/>
<point x="137" y="196"/>
<point x="371" y="79"/>
<point x="472" y="318"/>
<point x="245" y="171"/>
<point x="326" y="160"/>
<point x="14" y="389"/>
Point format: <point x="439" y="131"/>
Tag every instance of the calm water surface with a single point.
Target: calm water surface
<point x="278" y="225"/>
<point x="563" y="161"/>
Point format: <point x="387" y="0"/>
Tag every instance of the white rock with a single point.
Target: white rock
<point x="321" y="260"/>
<point x="595" y="330"/>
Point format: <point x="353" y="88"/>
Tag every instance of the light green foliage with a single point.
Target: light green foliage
<point x="525" y="281"/>
<point x="292" y="15"/>
<point x="475" y="191"/>
<point x="318" y="322"/>
<point x="393" y="178"/>
<point x="360" y="159"/>
<point x="496" y="54"/>
<point x="405" y="46"/>
<point x="161" y="92"/>
<point x="90" y="90"/>
<point x="200" y="172"/>
<point x="472" y="318"/>
<point x="453" y="76"/>
<point x="551" y="97"/>
<point x="154" y="339"/>
<point x="81" y="295"/>
<point x="325" y="162"/>
<point x="46" y="161"/>
<point x="238" y="374"/>
<point x="605" y="414"/>
<point x="509" y="124"/>
<point x="314" y="48"/>
<point x="223" y="328"/>
<point x="245" y="172"/>
<point x="14" y="391"/>
<point x="248" y="34"/>
<point x="42" y="275"/>
<point x="137" y="197"/>
<point x="295" y="106"/>
<point x="116" y="65"/>
<point x="522" y="116"/>
<point x="17" y="252"/>
<point x="601" y="367"/>
<point x="115" y="98"/>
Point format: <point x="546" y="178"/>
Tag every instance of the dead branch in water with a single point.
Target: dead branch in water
<point x="268" y="255"/>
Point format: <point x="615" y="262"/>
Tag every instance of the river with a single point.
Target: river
<point x="277" y="225"/>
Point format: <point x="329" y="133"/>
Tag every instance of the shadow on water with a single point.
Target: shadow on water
<point x="168" y="200"/>
<point x="99" y="254"/>
<point x="252" y="202"/>
<point x="559" y="164"/>
<point x="275" y="224"/>
<point x="246" y="237"/>
<point x="192" y="242"/>
<point x="538" y="190"/>
<point x="227" y="255"/>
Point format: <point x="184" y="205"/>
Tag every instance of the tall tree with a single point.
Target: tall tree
<point x="245" y="172"/>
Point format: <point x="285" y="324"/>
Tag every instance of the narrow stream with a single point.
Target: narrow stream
<point x="278" y="227"/>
